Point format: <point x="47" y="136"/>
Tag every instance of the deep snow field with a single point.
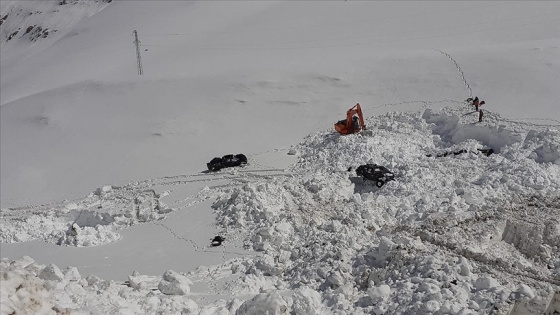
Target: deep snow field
<point x="107" y="207"/>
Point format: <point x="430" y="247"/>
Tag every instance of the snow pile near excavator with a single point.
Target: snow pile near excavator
<point x="461" y="234"/>
<point x="468" y="233"/>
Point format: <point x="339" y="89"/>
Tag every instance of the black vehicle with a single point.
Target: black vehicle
<point x="377" y="173"/>
<point x="229" y="160"/>
<point x="217" y="240"/>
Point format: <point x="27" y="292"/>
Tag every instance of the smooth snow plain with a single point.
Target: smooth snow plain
<point x="107" y="207"/>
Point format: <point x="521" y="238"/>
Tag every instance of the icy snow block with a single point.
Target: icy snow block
<point x="554" y="305"/>
<point x="525" y="290"/>
<point x="72" y="274"/>
<point x="140" y="282"/>
<point x="173" y="283"/>
<point x="464" y="267"/>
<point x="379" y="294"/>
<point x="264" y="303"/>
<point x="307" y="301"/>
<point x="51" y="272"/>
<point x="93" y="279"/>
<point x="22" y="262"/>
<point x="486" y="283"/>
<point x="431" y="306"/>
<point x="24" y="294"/>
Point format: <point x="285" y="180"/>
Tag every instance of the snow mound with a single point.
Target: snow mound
<point x="30" y="288"/>
<point x="264" y="303"/>
<point x="544" y="146"/>
<point x="174" y="283"/>
<point x="437" y="239"/>
<point x="306" y="301"/>
<point x="89" y="221"/>
<point x="452" y="129"/>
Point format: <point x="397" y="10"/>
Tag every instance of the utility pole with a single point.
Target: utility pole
<point x="138" y="58"/>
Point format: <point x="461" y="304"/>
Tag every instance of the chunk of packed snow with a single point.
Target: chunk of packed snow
<point x="263" y="303"/>
<point x="306" y="301"/>
<point x="174" y="283"/>
<point x="486" y="283"/>
<point x="51" y="272"/>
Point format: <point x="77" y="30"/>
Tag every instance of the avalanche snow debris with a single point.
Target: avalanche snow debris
<point x="464" y="235"/>
<point x="89" y="221"/>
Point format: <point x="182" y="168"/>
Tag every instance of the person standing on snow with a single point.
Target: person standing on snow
<point x="480" y="114"/>
<point x="476" y="103"/>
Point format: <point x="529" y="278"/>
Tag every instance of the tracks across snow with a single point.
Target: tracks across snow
<point x="461" y="73"/>
<point x="99" y="215"/>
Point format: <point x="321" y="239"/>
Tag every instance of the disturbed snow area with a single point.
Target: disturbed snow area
<point x="84" y="222"/>
<point x="461" y="234"/>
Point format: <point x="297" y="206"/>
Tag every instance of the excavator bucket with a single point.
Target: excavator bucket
<point x="353" y="123"/>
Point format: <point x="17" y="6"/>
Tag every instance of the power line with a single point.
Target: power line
<point x="138" y="57"/>
<point x="326" y="43"/>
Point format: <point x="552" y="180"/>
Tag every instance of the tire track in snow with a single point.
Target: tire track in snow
<point x="437" y="237"/>
<point x="487" y="264"/>
<point x="162" y="181"/>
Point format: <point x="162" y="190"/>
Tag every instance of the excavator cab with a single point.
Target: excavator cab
<point x="352" y="123"/>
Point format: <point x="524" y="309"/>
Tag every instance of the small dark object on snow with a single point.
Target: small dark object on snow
<point x="217" y="241"/>
<point x="229" y="160"/>
<point x="486" y="152"/>
<point x="444" y="154"/>
<point x="377" y="173"/>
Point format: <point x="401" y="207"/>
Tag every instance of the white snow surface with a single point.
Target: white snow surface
<point x="106" y="209"/>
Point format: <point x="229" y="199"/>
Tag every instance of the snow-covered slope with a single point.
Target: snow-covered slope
<point x="106" y="208"/>
<point x="30" y="26"/>
<point x="216" y="82"/>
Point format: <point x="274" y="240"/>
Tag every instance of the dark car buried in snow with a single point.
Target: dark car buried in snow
<point x="229" y="160"/>
<point x="376" y="173"/>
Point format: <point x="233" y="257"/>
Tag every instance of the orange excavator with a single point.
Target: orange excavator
<point x="350" y="124"/>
